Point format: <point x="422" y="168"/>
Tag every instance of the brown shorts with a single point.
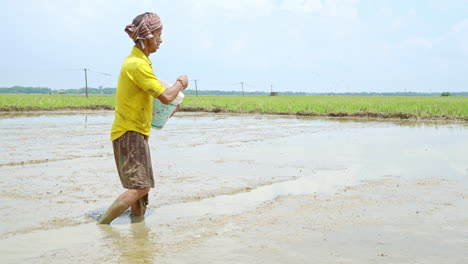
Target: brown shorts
<point x="132" y="157"/>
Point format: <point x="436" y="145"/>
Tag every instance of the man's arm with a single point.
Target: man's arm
<point x="171" y="93"/>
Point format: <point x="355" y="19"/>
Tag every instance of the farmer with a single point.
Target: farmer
<point x="136" y="88"/>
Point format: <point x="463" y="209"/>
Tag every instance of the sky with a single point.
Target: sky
<point x="287" y="45"/>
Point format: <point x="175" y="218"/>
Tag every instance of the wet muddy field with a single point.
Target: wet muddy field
<point x="237" y="189"/>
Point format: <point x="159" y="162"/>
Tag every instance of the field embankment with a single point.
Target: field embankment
<point x="455" y="108"/>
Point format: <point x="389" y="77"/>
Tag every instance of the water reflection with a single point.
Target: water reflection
<point x="124" y="218"/>
<point x="131" y="243"/>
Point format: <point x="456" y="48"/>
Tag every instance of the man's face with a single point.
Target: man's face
<point x="153" y="44"/>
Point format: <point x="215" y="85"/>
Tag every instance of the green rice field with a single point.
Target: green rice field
<point x="419" y="106"/>
<point x="416" y="106"/>
<point x="55" y="100"/>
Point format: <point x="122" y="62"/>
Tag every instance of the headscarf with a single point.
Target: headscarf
<point x="149" y="23"/>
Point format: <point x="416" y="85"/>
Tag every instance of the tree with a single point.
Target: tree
<point x="445" y="94"/>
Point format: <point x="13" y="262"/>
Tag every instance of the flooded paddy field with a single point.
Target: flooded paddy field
<point x="237" y="189"/>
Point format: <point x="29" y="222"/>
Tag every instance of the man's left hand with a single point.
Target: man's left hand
<point x="175" y="110"/>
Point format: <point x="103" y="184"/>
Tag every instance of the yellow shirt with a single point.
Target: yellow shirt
<point x="136" y="88"/>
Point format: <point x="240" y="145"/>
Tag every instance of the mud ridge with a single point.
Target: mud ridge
<point x="360" y="114"/>
<point x="37" y="108"/>
<point x="218" y="109"/>
<point x="233" y="191"/>
<point x="31" y="162"/>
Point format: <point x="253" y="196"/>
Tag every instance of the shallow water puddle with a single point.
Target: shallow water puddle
<point x="124" y="218"/>
<point x="320" y="182"/>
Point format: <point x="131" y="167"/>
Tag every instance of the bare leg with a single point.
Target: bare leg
<point x="138" y="208"/>
<point x="121" y="204"/>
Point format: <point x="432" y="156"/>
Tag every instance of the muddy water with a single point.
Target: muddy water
<point x="237" y="189"/>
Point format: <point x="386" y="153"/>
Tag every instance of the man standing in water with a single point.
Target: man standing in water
<point x="136" y="88"/>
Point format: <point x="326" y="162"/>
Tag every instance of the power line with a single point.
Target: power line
<point x="103" y="73"/>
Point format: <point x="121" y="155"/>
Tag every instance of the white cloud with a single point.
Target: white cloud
<point x="344" y="9"/>
<point x="307" y="6"/>
<point x="453" y="43"/>
<point x="263" y="6"/>
<point x="458" y="37"/>
<point x="277" y="38"/>
<point x="237" y="6"/>
<point x="461" y="26"/>
<point x="400" y="22"/>
<point x="417" y="43"/>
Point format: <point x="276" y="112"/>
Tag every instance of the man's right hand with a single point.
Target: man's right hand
<point x="184" y="81"/>
<point x="171" y="92"/>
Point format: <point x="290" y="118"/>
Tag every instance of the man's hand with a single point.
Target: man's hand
<point x="175" y="110"/>
<point x="171" y="93"/>
<point x="183" y="80"/>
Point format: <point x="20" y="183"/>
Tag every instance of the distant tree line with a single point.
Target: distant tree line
<point x="21" y="89"/>
<point x="90" y="91"/>
<point x="107" y="90"/>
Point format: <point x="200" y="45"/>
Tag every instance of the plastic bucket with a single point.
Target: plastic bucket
<point x="162" y="112"/>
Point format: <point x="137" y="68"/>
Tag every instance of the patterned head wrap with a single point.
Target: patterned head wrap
<point x="148" y="23"/>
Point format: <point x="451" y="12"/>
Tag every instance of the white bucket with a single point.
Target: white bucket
<point x="162" y="112"/>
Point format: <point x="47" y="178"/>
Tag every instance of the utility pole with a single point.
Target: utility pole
<point x="242" y="86"/>
<point x="86" y="81"/>
<point x="271" y="88"/>
<point x="196" y="87"/>
<point x="86" y="76"/>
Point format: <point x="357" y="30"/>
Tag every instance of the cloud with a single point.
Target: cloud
<point x="456" y="38"/>
<point x="260" y="39"/>
<point x="310" y="6"/>
<point x="451" y="44"/>
<point x="401" y="22"/>
<point x="262" y="6"/>
<point x="417" y="43"/>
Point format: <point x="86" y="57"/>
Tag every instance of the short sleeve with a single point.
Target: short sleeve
<point x="145" y="79"/>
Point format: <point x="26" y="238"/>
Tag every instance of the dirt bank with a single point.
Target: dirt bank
<point x="64" y="108"/>
<point x="342" y="115"/>
<point x="360" y="114"/>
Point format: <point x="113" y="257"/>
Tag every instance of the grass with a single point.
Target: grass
<point x="418" y="106"/>
<point x="54" y="100"/>
<point x="415" y="106"/>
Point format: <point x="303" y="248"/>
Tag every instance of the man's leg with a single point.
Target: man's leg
<point x="122" y="203"/>
<point x="138" y="208"/>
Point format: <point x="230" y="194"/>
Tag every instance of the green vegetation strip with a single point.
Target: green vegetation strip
<point x="370" y="106"/>
<point x="54" y="100"/>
